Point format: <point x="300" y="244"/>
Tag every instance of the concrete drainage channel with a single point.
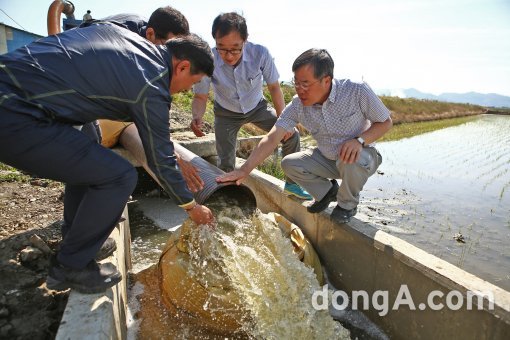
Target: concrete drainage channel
<point x="356" y="257"/>
<point x="101" y="316"/>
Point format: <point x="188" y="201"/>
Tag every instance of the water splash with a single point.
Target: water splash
<point x="252" y="256"/>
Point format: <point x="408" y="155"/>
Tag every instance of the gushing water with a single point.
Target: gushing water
<point x="251" y="255"/>
<point x="245" y="269"/>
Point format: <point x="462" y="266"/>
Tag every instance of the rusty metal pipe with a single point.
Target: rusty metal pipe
<point x="58" y="7"/>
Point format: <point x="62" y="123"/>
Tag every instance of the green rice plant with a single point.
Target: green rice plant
<point x="406" y="130"/>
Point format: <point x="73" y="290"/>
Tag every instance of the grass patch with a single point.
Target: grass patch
<point x="406" y="130"/>
<point x="413" y="106"/>
<point x="272" y="166"/>
<point x="10" y="174"/>
<point x="181" y="102"/>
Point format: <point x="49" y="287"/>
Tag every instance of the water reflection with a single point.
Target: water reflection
<point x="456" y="180"/>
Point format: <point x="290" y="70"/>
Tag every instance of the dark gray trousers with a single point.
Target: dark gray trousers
<point x="228" y="123"/>
<point x="312" y="171"/>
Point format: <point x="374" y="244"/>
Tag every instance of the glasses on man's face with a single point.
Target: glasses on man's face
<point x="303" y="85"/>
<point x="232" y="51"/>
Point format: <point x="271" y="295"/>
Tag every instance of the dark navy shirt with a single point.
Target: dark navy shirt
<point x="133" y="22"/>
<point x="101" y="71"/>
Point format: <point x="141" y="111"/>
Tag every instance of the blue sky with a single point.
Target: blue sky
<point x="432" y="45"/>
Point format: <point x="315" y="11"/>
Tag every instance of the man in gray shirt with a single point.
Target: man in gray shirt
<point x="240" y="67"/>
<point x="345" y="118"/>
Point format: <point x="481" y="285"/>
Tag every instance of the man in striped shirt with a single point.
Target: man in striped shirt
<point x="345" y="118"/>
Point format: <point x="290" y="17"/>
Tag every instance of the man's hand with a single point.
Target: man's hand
<point x="196" y="126"/>
<point x="200" y="214"/>
<point x="234" y="176"/>
<point x="190" y="174"/>
<point x="350" y="151"/>
<point x="289" y="134"/>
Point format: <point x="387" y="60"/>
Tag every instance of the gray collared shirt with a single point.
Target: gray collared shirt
<point x="239" y="89"/>
<point x="349" y="111"/>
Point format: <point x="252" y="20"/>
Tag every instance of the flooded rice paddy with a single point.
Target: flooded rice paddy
<point x="448" y="192"/>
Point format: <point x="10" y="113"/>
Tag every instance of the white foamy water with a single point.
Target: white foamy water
<point x="275" y="287"/>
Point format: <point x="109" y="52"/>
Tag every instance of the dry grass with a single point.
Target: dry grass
<point x="408" y="110"/>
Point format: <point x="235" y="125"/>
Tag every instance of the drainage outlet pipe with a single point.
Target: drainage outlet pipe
<point x="212" y="189"/>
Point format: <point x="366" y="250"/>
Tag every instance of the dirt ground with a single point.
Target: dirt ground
<point x="27" y="309"/>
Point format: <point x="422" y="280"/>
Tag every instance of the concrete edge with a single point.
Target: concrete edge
<point x="203" y="148"/>
<point x="443" y="272"/>
<point x="101" y="316"/>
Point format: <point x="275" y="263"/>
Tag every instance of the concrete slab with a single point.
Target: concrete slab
<point x="164" y="212"/>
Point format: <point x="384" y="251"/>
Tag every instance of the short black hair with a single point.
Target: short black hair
<point x="320" y="59"/>
<point x="228" y="22"/>
<point x="194" y="49"/>
<point x="166" y="20"/>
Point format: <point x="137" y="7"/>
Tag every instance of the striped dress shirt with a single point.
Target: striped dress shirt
<point x="348" y="111"/>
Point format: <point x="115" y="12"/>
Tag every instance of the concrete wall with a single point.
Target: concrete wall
<point x="101" y="316"/>
<point x="358" y="257"/>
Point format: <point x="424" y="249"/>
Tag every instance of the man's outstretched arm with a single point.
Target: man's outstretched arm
<point x="265" y="147"/>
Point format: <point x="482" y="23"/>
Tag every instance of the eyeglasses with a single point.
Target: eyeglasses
<point x="233" y="51"/>
<point x="305" y="86"/>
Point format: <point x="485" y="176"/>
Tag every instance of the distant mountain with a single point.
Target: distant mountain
<point x="489" y="99"/>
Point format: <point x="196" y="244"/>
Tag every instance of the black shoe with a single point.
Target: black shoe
<point x="343" y="215"/>
<point x="318" y="206"/>
<point x="94" y="278"/>
<point x="108" y="247"/>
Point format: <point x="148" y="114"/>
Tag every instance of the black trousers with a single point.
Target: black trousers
<point x="101" y="180"/>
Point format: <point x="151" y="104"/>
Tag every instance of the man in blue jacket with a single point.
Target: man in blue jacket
<point x="101" y="71"/>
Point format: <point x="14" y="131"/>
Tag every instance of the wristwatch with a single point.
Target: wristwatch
<point x="361" y="141"/>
